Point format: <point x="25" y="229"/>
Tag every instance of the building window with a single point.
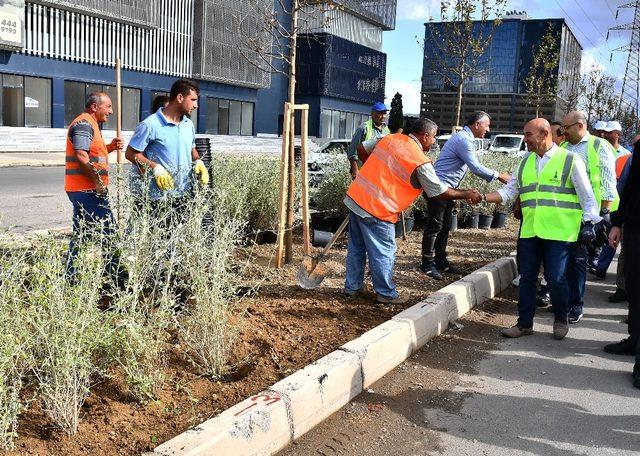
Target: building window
<point x="340" y="124"/>
<point x="75" y="94"/>
<point x="25" y="101"/>
<point x="229" y="117"/>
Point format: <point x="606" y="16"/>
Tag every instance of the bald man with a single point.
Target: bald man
<point x="556" y="198"/>
<point x="598" y="157"/>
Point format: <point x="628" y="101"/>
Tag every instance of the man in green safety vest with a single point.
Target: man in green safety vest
<point x="556" y="199"/>
<point x="598" y="157"/>
<point x="374" y="128"/>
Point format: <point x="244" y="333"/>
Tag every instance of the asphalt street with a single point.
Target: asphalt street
<point x="471" y="392"/>
<point x="33" y="198"/>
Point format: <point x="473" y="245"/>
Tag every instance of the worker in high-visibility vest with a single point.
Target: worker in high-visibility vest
<point x="374" y="128"/>
<point x="86" y="181"/>
<point x="395" y="174"/>
<point x="556" y="198"/>
<point x="597" y="154"/>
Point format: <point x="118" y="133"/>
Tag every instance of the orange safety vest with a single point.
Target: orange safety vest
<point x="620" y="164"/>
<point x="383" y="185"/>
<point x="74" y="178"/>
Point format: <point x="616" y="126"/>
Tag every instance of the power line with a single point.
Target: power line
<point x="589" y="19"/>
<point x="612" y="12"/>
<point x="585" y="36"/>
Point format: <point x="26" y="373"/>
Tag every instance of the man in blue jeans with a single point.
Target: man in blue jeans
<point x="86" y="182"/>
<point x="394" y="175"/>
<point x="556" y="197"/>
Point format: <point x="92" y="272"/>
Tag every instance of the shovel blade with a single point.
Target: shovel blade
<point x="310" y="274"/>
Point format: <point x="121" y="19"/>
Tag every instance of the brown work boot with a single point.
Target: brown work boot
<point x="362" y="293"/>
<point x="516" y="331"/>
<point x="402" y="298"/>
<point x="560" y="328"/>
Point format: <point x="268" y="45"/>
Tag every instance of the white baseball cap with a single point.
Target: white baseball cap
<point x="613" y="125"/>
<point x="599" y="125"/>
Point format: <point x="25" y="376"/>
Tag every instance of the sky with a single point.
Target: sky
<point x="589" y="20"/>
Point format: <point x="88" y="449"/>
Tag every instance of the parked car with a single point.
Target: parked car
<point x="480" y="143"/>
<point x="508" y="144"/>
<point x="331" y="150"/>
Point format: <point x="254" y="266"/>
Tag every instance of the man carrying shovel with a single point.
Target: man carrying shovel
<point x="395" y="174"/>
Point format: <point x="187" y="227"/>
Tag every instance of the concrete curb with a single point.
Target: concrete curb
<point x="270" y="420"/>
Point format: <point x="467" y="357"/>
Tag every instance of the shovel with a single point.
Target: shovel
<point x="310" y="275"/>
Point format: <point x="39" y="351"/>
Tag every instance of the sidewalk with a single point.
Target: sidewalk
<point x="9" y="159"/>
<point x="471" y="392"/>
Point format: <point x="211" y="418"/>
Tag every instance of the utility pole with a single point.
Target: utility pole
<point x="630" y="95"/>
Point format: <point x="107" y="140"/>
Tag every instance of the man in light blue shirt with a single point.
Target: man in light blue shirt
<point x="457" y="156"/>
<point x="164" y="142"/>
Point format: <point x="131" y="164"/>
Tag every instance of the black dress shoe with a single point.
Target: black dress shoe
<point x="624" y="347"/>
<point x="448" y="268"/>
<point x="618" y="296"/>
<point x="543" y="299"/>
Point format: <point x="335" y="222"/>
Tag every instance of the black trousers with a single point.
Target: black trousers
<point x="631" y="241"/>
<point x="436" y="231"/>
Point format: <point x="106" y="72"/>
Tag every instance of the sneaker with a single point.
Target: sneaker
<point x="636" y="375"/>
<point x="618" y="296"/>
<point x="362" y="293"/>
<point x="543" y="299"/>
<point x="448" y="268"/>
<point x="575" y="316"/>
<point x="560" y="328"/>
<point x="402" y="298"/>
<point x="430" y="270"/>
<point x="516" y="331"/>
<point x="624" y="347"/>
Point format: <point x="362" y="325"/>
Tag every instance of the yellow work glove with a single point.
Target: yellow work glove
<point x="201" y="171"/>
<point x="164" y="181"/>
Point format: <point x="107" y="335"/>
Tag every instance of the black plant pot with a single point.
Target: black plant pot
<point x="408" y="223"/>
<point x="484" y="221"/>
<point x="454" y="222"/>
<point x="470" y="221"/>
<point x="326" y="221"/>
<point x="499" y="220"/>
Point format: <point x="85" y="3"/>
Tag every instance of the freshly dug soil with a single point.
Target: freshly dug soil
<point x="285" y="329"/>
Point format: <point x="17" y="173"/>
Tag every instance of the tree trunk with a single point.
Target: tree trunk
<point x="458" y="108"/>
<point x="288" y="251"/>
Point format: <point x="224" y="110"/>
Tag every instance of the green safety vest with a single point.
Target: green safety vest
<point x="593" y="168"/>
<point x="550" y="205"/>
<point x="369" y="130"/>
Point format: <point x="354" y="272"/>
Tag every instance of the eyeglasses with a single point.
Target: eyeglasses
<point x="566" y="127"/>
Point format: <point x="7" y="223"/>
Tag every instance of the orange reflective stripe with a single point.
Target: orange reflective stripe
<point x="620" y="164"/>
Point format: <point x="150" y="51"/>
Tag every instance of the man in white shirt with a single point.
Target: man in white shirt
<point x="597" y="155"/>
<point x="556" y="197"/>
<point x="612" y="133"/>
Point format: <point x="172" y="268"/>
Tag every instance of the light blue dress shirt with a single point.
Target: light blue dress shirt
<point x="170" y="145"/>
<point x="457" y="156"/>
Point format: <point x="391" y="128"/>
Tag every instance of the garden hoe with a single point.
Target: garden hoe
<point x="310" y="273"/>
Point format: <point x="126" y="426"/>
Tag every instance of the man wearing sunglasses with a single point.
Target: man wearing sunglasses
<point x="600" y="164"/>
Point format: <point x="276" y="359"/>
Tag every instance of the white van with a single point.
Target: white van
<point x="508" y="144"/>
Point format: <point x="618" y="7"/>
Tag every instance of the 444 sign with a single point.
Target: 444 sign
<point x="10" y="30"/>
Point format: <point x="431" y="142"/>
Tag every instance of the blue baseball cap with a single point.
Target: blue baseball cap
<point x="379" y="106"/>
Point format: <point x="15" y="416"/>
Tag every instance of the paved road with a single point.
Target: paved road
<point x="471" y="392"/>
<point x="33" y="198"/>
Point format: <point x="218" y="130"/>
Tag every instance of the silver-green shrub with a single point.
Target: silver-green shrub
<point x="332" y="186"/>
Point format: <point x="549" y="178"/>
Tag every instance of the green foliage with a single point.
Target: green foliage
<point x="248" y="189"/>
<point x="493" y="160"/>
<point x="541" y="83"/>
<point x="396" y="117"/>
<point x="332" y="188"/>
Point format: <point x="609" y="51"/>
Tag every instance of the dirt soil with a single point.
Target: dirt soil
<point x="286" y="328"/>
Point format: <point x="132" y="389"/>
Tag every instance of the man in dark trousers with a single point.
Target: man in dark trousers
<point x="458" y="155"/>
<point x="628" y="216"/>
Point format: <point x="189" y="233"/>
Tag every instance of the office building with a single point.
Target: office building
<point x="499" y="87"/>
<point x="61" y="50"/>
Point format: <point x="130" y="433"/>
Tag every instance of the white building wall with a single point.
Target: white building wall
<point x="69" y="35"/>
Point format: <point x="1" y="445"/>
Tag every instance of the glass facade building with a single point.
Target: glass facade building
<point x="69" y="49"/>
<point x="498" y="87"/>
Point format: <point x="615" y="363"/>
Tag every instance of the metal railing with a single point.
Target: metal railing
<point x="143" y="13"/>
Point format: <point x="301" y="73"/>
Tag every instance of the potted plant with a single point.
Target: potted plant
<point x="486" y="215"/>
<point x="500" y="216"/>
